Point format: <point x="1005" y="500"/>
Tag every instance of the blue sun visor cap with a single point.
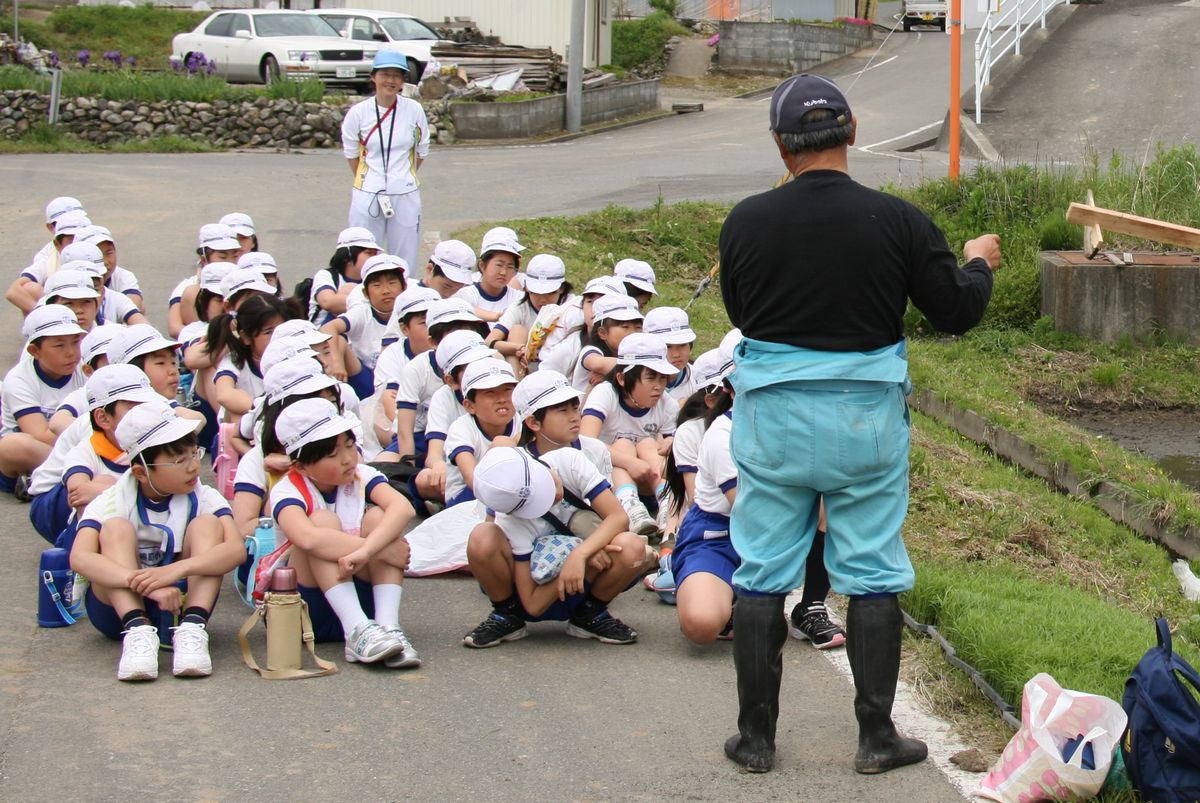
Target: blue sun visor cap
<point x="386" y="59"/>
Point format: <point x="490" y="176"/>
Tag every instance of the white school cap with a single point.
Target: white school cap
<point x="308" y="421"/>
<point x="501" y="238"/>
<point x="240" y="279"/>
<point x="605" y="286"/>
<point x="512" y="482"/>
<point x="212" y="274"/>
<point x="295" y="376"/>
<point x="728" y="348"/>
<point x="72" y="223"/>
<point x="649" y="351"/>
<point x="240" y="222"/>
<point x="357" y="237"/>
<point x="415" y="299"/>
<point x="92" y="270"/>
<point x="136" y="340"/>
<point x="111" y="383"/>
<point x="260" y="261"/>
<point x="456" y="259"/>
<point x="459" y="348"/>
<point x="671" y="324"/>
<point x="73" y="284"/>
<point x="98" y="340"/>
<point x="299" y="329"/>
<point x="152" y="423"/>
<point x="285" y="348"/>
<point x="50" y="320"/>
<point x="218" y="237"/>
<point x="60" y="206"/>
<point x="543" y="388"/>
<point x="709" y="368"/>
<point x="486" y="374"/>
<point x="79" y="251"/>
<point x="94" y="235"/>
<point x="382" y="262"/>
<point x="615" y="308"/>
<point x="637" y="273"/>
<point x="445" y="310"/>
<point x="545" y="273"/>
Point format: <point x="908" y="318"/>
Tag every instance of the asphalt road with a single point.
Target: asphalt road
<point x="545" y="718"/>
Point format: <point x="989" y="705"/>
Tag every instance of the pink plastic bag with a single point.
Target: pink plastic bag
<point x="1032" y="766"/>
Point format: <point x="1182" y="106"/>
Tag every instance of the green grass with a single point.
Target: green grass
<point x="43" y="138"/>
<point x="635" y="42"/>
<point x="148" y="87"/>
<point x="144" y="32"/>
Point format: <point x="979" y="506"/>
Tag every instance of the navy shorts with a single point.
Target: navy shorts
<point x="559" y="611"/>
<point x="106" y="619"/>
<point x="465" y="495"/>
<point x="696" y="553"/>
<point x="363" y="382"/>
<point x="50" y="512"/>
<point x="326" y="625"/>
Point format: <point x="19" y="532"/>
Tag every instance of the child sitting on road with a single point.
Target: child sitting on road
<point x="487" y="387"/>
<point x="154" y="536"/>
<point x="332" y="285"/>
<point x="613" y="318"/>
<point x="362" y="327"/>
<point x="545" y="283"/>
<point x="673" y="326"/>
<point x="638" y="277"/>
<point x="499" y="261"/>
<point x="345" y="524"/>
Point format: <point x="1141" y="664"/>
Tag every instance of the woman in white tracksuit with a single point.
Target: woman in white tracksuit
<point x="385" y="138"/>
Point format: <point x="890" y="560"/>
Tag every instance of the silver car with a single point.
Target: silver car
<point x="261" y="46"/>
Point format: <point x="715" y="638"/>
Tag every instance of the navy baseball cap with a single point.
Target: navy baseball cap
<point x="799" y="95"/>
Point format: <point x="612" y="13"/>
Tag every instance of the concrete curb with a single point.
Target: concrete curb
<point x="1121" y="506"/>
<point x="601" y="129"/>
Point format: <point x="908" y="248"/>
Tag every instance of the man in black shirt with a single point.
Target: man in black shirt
<point x="817" y="274"/>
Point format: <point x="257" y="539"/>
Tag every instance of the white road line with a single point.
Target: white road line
<point x="867" y="148"/>
<point x="873" y="66"/>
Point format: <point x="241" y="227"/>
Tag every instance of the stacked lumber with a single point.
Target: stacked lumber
<point x="542" y="68"/>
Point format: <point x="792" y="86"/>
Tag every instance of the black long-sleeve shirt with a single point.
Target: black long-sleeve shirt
<point x="825" y="263"/>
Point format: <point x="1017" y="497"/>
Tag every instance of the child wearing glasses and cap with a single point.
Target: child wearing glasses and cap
<point x="345" y="524"/>
<point x="154" y="536"/>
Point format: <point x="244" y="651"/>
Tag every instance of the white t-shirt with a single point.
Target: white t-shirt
<point x="43" y="265"/>
<point x="476" y="296"/>
<point x="123" y="281"/>
<point x="518" y="314"/>
<point x="621" y="421"/>
<point x="579" y="476"/>
<point x="563" y="357"/>
<point x="324" y="279"/>
<point x="121" y="502"/>
<point x="177" y="293"/>
<point x="686" y="446"/>
<point x="364" y="332"/>
<point x="27" y="390"/>
<point x="465" y="437"/>
<point x="444" y="409"/>
<point x="581" y="377"/>
<point x="419" y="380"/>
<point x="390" y="365"/>
<point x="83" y="460"/>
<point x="717" y="472"/>
<point x="593" y="449"/>
<point x="50" y="472"/>
<point x="683" y="388"/>
<point x="74" y="402"/>
<point x="247" y="378"/>
<point x="116" y="308"/>
<point x="348" y="501"/>
<point x="193" y="332"/>
<point x="401" y="133"/>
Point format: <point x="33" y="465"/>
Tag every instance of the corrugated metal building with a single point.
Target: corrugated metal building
<point x="531" y="23"/>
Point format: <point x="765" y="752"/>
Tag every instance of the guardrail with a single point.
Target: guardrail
<point x="1002" y="32"/>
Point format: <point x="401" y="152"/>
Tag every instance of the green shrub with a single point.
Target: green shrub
<point x="154" y="86"/>
<point x="634" y="42"/>
<point x="144" y="32"/>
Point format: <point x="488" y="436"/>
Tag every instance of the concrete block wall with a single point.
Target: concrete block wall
<point x="528" y="118"/>
<point x="786" y="48"/>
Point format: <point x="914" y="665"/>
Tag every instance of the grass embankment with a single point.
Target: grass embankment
<point x="144" y="32"/>
<point x="635" y="42"/>
<point x="43" y="138"/>
<point x="148" y="87"/>
<point x="1019" y="578"/>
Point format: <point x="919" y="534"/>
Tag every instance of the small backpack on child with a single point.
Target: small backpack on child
<point x="1161" y="747"/>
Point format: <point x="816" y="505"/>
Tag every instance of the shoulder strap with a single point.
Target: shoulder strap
<point x="70" y="615"/>
<point x="326" y="667"/>
<point x="302" y="486"/>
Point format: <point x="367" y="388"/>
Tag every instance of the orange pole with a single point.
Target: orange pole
<point x="955" y="83"/>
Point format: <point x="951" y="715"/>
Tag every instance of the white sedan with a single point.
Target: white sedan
<point x="387" y="30"/>
<point x="260" y="46"/>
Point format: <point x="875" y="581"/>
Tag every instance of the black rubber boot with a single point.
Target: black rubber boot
<point x="760" y="631"/>
<point x="873" y="632"/>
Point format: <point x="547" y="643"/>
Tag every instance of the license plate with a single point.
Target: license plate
<point x="923" y="16"/>
<point x="345" y="72"/>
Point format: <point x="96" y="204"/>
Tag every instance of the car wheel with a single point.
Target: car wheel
<point x="414" y="72"/>
<point x="942" y="25"/>
<point x="270" y="69"/>
<point x="907" y="25"/>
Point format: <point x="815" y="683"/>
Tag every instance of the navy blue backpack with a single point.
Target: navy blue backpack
<point x="1161" y="747"/>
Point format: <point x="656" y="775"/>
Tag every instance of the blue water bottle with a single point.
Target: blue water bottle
<point x="55" y="584"/>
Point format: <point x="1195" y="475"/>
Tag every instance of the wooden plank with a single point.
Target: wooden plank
<point x="1093" y="237"/>
<point x="1144" y="227"/>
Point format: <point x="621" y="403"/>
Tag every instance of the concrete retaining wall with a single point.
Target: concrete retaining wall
<point x="529" y="118"/>
<point x="1098" y="300"/>
<point x="780" y="47"/>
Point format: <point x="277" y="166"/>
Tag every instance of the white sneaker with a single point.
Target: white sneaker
<point x="191" y="651"/>
<point x="407" y="658"/>
<point x="640" y="520"/>
<point x="139" y="654"/>
<point x="370" y="643"/>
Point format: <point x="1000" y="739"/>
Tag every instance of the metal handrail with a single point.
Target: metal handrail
<point x="1002" y="32"/>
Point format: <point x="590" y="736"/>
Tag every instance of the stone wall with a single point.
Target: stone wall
<point x="780" y="47"/>
<point x="528" y="118"/>
<point x="261" y="123"/>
